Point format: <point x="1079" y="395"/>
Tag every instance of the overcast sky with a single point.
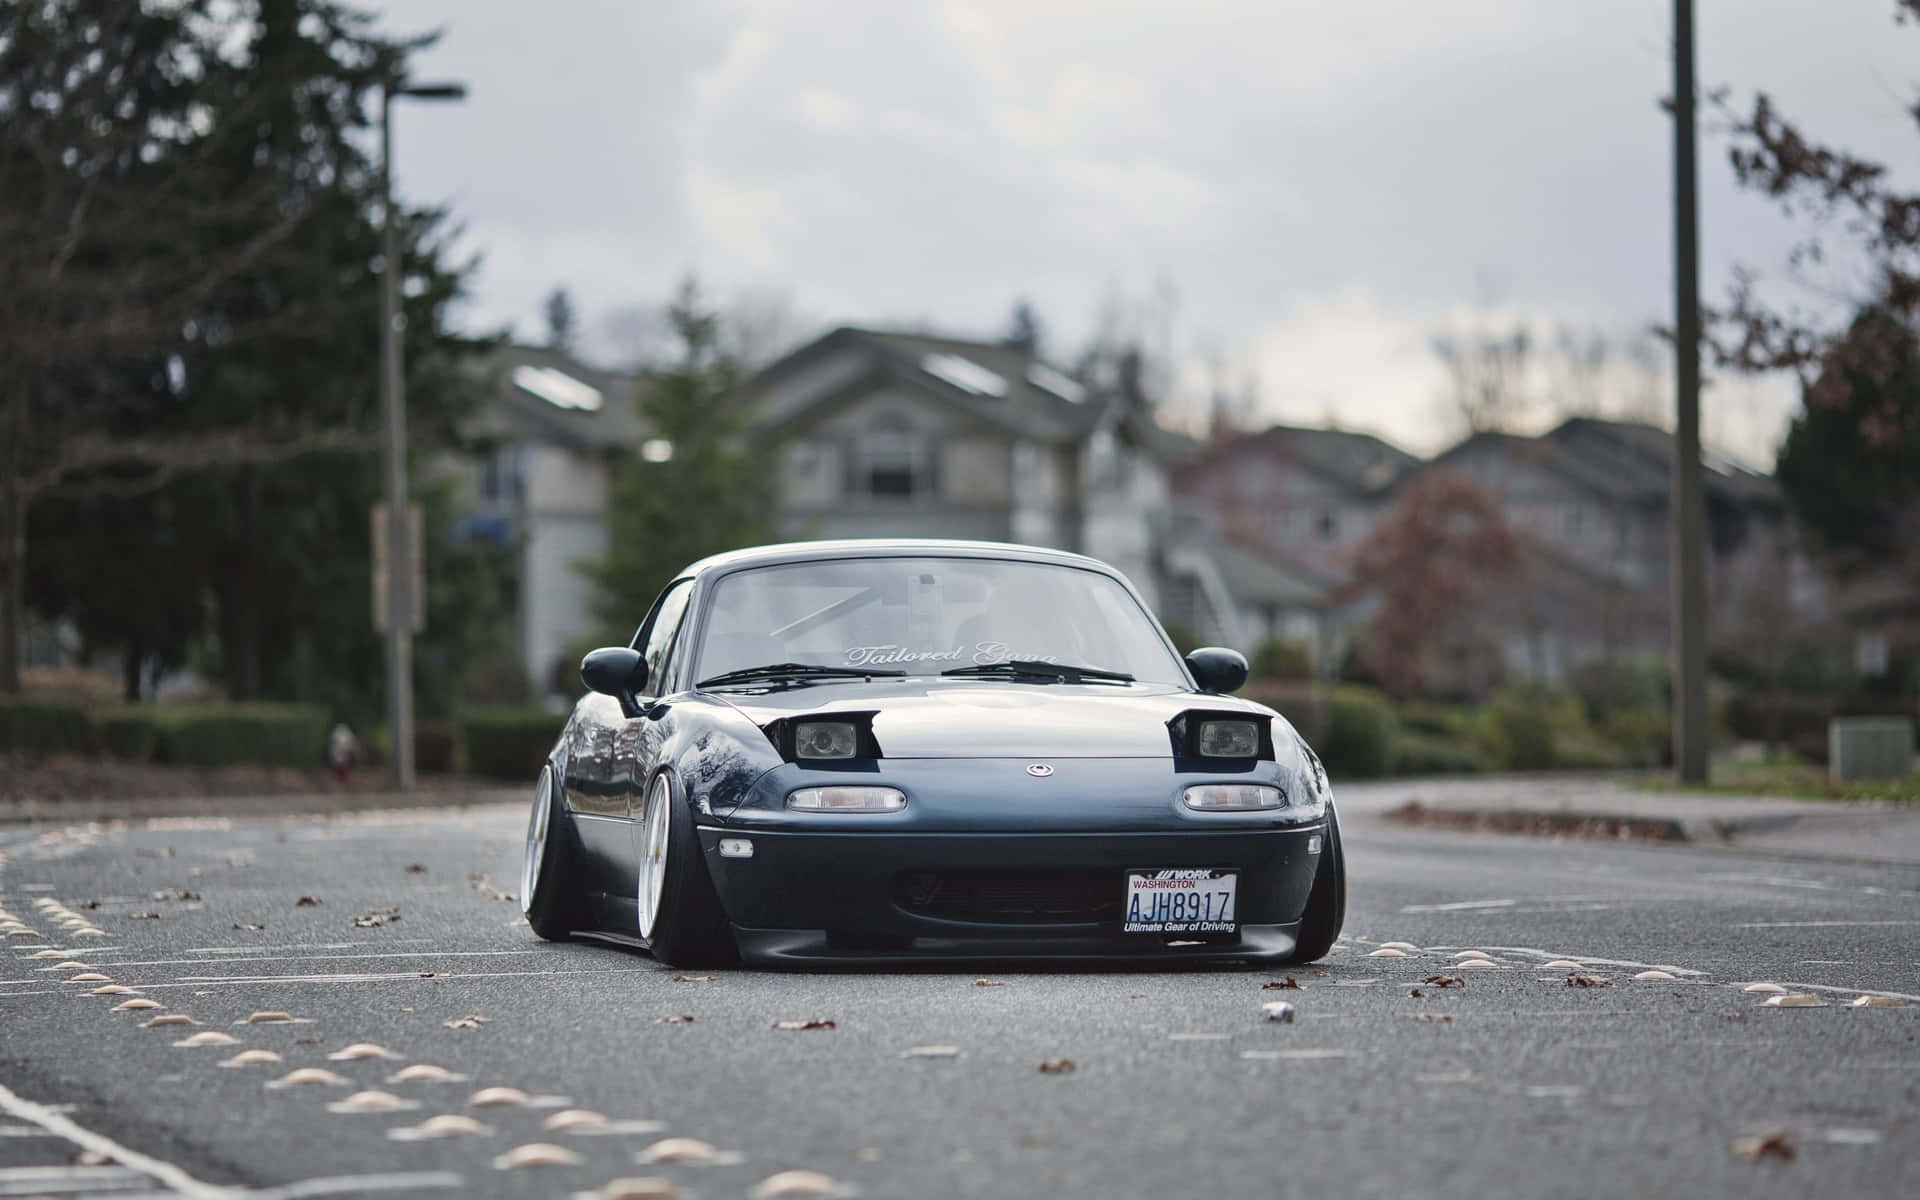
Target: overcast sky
<point x="1323" y="185"/>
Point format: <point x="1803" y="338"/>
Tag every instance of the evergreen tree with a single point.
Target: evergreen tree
<point x="1023" y="328"/>
<point x="558" y="310"/>
<point x="695" y="486"/>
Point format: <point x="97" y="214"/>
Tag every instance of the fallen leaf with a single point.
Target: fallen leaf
<point x="635" y="1187"/>
<point x="372" y="1101"/>
<point x="678" y="1149"/>
<point x="809" y="1023"/>
<point x="1588" y="981"/>
<point x="471" y="1021"/>
<point x="1278" y="1010"/>
<point x="1318" y="972"/>
<point x="537" y="1154"/>
<point x="693" y="979"/>
<point x="988" y="983"/>
<point x="1445" y="981"/>
<point x="496" y="1097"/>
<point x="145" y="916"/>
<point x="209" y="1037"/>
<point x="307" y="902"/>
<point x="677" y="1020"/>
<point x="444" y="1125"/>
<point x="251" y="1058"/>
<point x="250" y="925"/>
<point x="1416" y="993"/>
<point x="1878" y="1002"/>
<point x="1287" y="984"/>
<point x="1058" y="1066"/>
<point x="425" y="1073"/>
<point x="360" y="1050"/>
<point x="373" y="918"/>
<point x="416" y="868"/>
<point x="1433" y="1017"/>
<point x="1794" y="1000"/>
<point x="310" y="1076"/>
<point x="799" y="1183"/>
<point x="176" y="894"/>
<point x="1775" y="1143"/>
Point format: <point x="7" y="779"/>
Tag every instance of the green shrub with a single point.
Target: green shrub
<point x="40" y="727"/>
<point x="1449" y="721"/>
<point x="1607" y="686"/>
<point x="508" y="743"/>
<point x="1360" y="735"/>
<point x="1302" y="704"/>
<point x="290" y="735"/>
<point x="1281" y="658"/>
<point x="1515" y="735"/>
<point x="1586" y="752"/>
<point x="1426" y="754"/>
<point x="131" y="734"/>
<point x="1643" y="736"/>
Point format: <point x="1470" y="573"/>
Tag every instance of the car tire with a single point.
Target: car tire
<point x="548" y="895"/>
<point x="1326" y="903"/>
<point x="683" y="924"/>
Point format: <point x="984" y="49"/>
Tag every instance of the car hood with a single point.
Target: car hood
<point x="923" y="718"/>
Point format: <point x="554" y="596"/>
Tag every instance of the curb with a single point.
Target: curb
<point x="30" y="812"/>
<point x="1539" y="823"/>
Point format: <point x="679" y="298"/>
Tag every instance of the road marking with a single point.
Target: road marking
<point x="1458" y="906"/>
<point x="1815" y="924"/>
<point x="62" y="1126"/>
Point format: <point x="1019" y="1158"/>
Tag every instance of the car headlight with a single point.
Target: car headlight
<point x="861" y="799"/>
<point x="1229" y="739"/>
<point x="825" y="739"/>
<point x="1232" y="797"/>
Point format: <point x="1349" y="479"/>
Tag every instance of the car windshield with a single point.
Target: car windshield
<point x="923" y="616"/>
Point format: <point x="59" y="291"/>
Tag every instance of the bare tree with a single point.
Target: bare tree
<point x="1489" y="382"/>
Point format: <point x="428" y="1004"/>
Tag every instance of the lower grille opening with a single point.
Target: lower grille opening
<point x="1012" y="897"/>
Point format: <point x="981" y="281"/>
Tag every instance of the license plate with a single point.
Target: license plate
<point x="1180" y="900"/>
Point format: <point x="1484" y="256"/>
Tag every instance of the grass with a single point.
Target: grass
<point x="1787" y="778"/>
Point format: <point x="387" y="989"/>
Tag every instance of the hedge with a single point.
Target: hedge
<point x="43" y="727"/>
<point x="508" y="743"/>
<point x="289" y="735"/>
<point x="1361" y="733"/>
<point x="129" y="734"/>
<point x="1417" y="753"/>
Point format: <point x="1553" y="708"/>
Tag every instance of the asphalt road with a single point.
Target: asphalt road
<point x="1513" y="1083"/>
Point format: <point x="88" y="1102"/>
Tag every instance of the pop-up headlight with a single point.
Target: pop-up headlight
<point x="1229" y="739"/>
<point x="825" y="739"/>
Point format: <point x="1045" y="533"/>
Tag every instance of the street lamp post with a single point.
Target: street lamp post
<point x="393" y="408"/>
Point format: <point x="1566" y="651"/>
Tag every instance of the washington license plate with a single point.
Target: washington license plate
<point x="1180" y="900"/>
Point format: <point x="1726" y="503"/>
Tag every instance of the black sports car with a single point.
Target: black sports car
<point x="836" y="752"/>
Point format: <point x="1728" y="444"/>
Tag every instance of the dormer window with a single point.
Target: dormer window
<point x="892" y="461"/>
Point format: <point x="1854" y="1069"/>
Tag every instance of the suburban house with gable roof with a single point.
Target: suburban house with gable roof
<point x="897" y="434"/>
<point x="552" y="426"/>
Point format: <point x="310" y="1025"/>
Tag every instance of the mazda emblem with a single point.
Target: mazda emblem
<point x="1039" y="770"/>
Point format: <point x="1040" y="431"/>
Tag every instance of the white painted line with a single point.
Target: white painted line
<point x="337" y="1185"/>
<point x="303" y="946"/>
<point x="1458" y="906"/>
<point x="259" y="958"/>
<point x="86" y="1139"/>
<point x="1816" y="924"/>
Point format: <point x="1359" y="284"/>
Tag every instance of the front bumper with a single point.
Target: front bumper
<point x="841" y="897"/>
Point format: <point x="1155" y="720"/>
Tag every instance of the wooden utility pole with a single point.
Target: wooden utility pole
<point x="1688" y="520"/>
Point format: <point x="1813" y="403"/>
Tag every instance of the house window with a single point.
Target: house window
<point x="893" y="462"/>
<point x="1328" y="524"/>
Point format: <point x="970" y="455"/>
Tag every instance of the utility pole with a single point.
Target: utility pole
<point x="1688" y="520"/>
<point x="393" y="408"/>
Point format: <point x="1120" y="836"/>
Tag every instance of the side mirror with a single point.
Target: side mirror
<point x="1217" y="669"/>
<point x="616" y="671"/>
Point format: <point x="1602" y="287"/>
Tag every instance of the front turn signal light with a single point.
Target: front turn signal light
<point x="859" y="799"/>
<point x="1232" y="797"/>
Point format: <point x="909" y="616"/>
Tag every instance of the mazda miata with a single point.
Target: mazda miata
<point x="831" y="753"/>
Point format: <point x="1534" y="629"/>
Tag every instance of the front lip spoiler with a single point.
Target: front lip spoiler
<point x="808" y="948"/>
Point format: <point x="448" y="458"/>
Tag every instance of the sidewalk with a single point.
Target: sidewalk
<point x="139" y="808"/>
<point x="1597" y="806"/>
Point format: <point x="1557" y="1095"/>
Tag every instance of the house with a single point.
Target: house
<point x="903" y="434"/>
<point x="1589" y="502"/>
<point x="551" y="427"/>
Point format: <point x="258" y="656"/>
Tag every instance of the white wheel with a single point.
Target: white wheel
<point x="535" y="856"/>
<point x="655" y="825"/>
